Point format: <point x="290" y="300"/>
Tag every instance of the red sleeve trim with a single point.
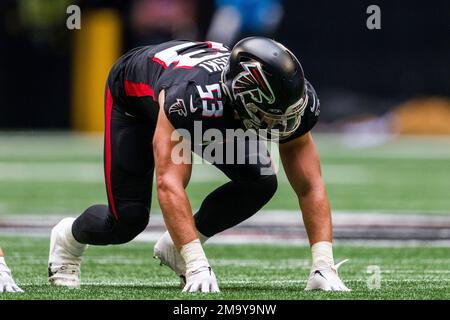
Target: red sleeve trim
<point x="138" y="89"/>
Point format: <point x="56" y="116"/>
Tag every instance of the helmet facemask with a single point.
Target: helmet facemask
<point x="277" y="125"/>
<point x="256" y="103"/>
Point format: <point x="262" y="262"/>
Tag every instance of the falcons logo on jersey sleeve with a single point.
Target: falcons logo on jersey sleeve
<point x="179" y="108"/>
<point x="253" y="82"/>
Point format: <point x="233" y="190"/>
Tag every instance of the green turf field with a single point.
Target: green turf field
<point x="61" y="174"/>
<point x="244" y="272"/>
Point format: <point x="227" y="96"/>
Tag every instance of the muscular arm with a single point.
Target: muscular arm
<point x="302" y="166"/>
<point x="171" y="182"/>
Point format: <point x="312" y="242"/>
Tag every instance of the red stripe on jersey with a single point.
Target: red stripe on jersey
<point x="138" y="89"/>
<point x="108" y="111"/>
<point x="159" y="61"/>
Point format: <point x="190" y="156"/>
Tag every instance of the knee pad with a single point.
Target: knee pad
<point x="133" y="219"/>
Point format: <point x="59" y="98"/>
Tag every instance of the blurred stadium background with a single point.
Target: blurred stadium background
<point x="384" y="133"/>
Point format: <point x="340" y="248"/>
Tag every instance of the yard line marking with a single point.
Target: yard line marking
<point x="260" y="282"/>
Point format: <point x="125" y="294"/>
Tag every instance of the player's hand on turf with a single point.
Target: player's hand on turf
<point x="326" y="279"/>
<point x="201" y="279"/>
<point x="7" y="283"/>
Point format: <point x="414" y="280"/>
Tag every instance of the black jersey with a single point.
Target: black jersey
<point x="189" y="72"/>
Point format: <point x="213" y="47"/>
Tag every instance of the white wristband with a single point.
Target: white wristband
<point x="193" y="254"/>
<point x="322" y="255"/>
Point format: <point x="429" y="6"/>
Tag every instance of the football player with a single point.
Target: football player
<point x="153" y="92"/>
<point x="7" y="283"/>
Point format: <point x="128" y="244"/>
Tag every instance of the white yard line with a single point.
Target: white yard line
<point x="262" y="282"/>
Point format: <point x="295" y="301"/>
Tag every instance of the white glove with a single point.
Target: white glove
<point x="326" y="279"/>
<point x="7" y="283"/>
<point x="201" y="279"/>
<point x="199" y="275"/>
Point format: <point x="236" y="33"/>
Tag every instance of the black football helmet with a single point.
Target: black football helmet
<point x="266" y="85"/>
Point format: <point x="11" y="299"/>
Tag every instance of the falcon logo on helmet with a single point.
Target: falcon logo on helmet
<point x="267" y="86"/>
<point x="252" y="81"/>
